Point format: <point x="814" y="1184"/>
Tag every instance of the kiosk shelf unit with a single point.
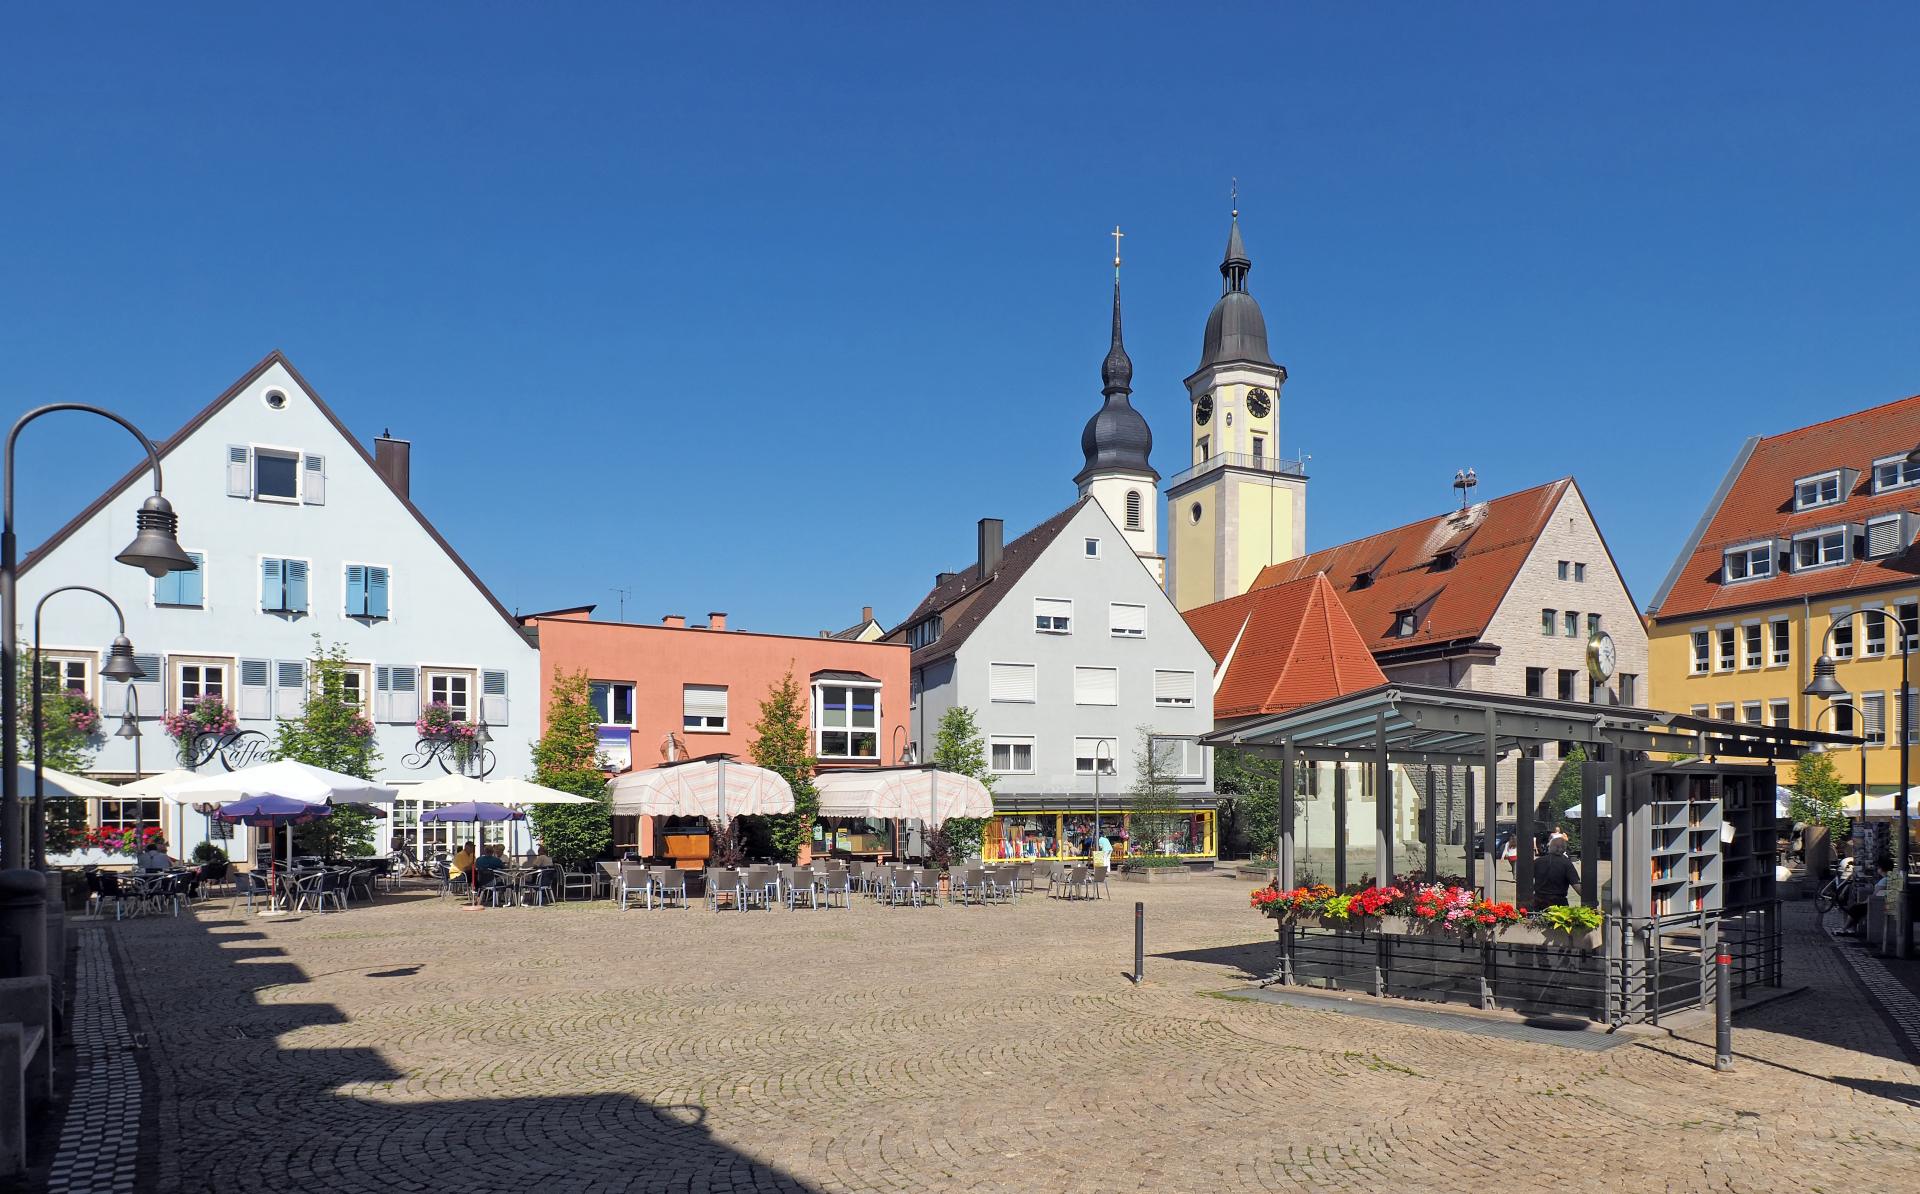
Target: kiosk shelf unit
<point x="1684" y="875"/>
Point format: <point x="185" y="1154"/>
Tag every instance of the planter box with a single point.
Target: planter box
<point x="1157" y="874"/>
<point x="1592" y="939"/>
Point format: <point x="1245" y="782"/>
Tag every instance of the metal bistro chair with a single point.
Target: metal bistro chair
<point x="539" y="886"/>
<point x="1097" y="883"/>
<point x="310" y="888"/>
<point x="246" y="884"/>
<point x="1000" y="883"/>
<point x="761" y="885"/>
<point x="496" y="889"/>
<point x="802" y="884"/>
<point x="963" y="885"/>
<point x="1078" y="879"/>
<point x="669" y="884"/>
<point x="722" y="881"/>
<point x="634" y="883"/>
<point x="582" y="882"/>
<point x="837" y="883"/>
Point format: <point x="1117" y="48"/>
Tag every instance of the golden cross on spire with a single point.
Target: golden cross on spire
<point x="1116" y="234"/>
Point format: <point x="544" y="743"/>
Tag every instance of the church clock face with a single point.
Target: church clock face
<point x="1258" y="404"/>
<point x="1203" y="410"/>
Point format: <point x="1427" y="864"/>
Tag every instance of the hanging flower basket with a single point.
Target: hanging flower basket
<point x="82" y="714"/>
<point x="112" y="839"/>
<point x="208" y="715"/>
<point x="438" y="727"/>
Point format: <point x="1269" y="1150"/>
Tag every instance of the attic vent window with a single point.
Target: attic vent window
<point x="1445" y="559"/>
<point x="1406" y="623"/>
<point x="275" y="400"/>
<point x="1362" y="580"/>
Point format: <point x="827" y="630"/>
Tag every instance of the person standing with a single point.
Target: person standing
<point x="1554" y="875"/>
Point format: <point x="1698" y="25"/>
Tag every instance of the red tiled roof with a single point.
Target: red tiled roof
<point x="1284" y="646"/>
<point x="1489" y="542"/>
<point x="1758" y="504"/>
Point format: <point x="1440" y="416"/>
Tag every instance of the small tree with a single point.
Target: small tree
<point x="1818" y="794"/>
<point x="782" y="744"/>
<point x="332" y="732"/>
<point x="68" y="723"/>
<point x="1252" y="786"/>
<point x="959" y="747"/>
<point x="567" y="757"/>
<point x="1155" y="797"/>
<point x="1569" y="788"/>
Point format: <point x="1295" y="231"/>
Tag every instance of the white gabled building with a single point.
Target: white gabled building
<point x="300" y="531"/>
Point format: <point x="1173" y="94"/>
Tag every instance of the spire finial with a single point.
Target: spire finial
<point x="1116" y="372"/>
<point x="1116" y="234"/>
<point x="1234" y="190"/>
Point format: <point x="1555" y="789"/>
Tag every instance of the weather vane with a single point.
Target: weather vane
<point x="1116" y="234"/>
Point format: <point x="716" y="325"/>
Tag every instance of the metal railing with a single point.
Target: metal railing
<point x="1259" y="464"/>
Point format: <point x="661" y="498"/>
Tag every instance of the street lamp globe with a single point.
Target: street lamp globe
<point x="1823" y="684"/>
<point x="156" y="546"/>
<point x="129" y="727"/>
<point x="120" y="664"/>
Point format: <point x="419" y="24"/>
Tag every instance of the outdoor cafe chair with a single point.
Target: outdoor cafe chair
<point x="246" y="885"/>
<point x="1078" y="880"/>
<point x="496" y="889"/>
<point x="1057" y="880"/>
<point x="310" y="888"/>
<point x="837" y="883"/>
<point x="1097" y="882"/>
<point x="634" y="883"/>
<point x="580" y="882"/>
<point x="999" y="882"/>
<point x="761" y="885"/>
<point x="538" y="885"/>
<point x="722" y="881"/>
<point x="963" y="884"/>
<point x="670" y="884"/>
<point x="802" y="885"/>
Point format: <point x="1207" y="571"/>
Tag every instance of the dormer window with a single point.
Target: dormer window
<point x="1750" y="562"/>
<point x="1444" y="560"/>
<point x="1820" y="490"/>
<point x="1895" y="472"/>
<point x="1406" y="623"/>
<point x="1889" y="535"/>
<point x="924" y="633"/>
<point x="1820" y="549"/>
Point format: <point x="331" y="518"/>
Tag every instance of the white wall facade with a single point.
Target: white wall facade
<point x="438" y="625"/>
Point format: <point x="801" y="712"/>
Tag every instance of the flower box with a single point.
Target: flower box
<point x="1592" y="939"/>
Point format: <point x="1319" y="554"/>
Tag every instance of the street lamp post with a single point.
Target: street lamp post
<point x="1820" y="748"/>
<point x="1096" y="784"/>
<point x="155" y="549"/>
<point x="1826" y="687"/>
<point x="119" y="667"/>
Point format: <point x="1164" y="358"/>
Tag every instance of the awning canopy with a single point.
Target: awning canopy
<point x="902" y="793"/>
<point x="284" y="777"/>
<point x="716" y="788"/>
<point x="62" y="786"/>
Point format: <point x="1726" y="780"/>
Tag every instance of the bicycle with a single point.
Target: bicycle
<point x="1842" y="893"/>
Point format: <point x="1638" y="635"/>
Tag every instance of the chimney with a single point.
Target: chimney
<point x="716" y="621"/>
<point x="866" y="614"/>
<point x="675" y="620"/>
<point x="991" y="530"/>
<point x="393" y="460"/>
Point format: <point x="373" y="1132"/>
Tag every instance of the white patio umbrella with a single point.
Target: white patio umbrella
<point x="285" y="777"/>
<point x="902" y="793"/>
<point x="716" y="788"/>
<point x="62" y="785"/>
<point x="157" y="785"/>
<point x="461" y="789"/>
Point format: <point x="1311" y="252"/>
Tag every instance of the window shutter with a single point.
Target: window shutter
<point x="166" y="589"/>
<point x="1096" y="686"/>
<point x="493" y="697"/>
<point x="192" y="586"/>
<point x="1873" y="711"/>
<point x="296" y="585"/>
<point x="1173" y="688"/>
<point x="703" y="700"/>
<point x="356" y="590"/>
<point x="239" y="482"/>
<point x="405" y="688"/>
<point x="256" y="700"/>
<point x="150" y="691"/>
<point x="273" y="591"/>
<point x="1052" y="607"/>
<point x="289" y="688"/>
<point x="383" y="693"/>
<point x="376" y="592"/>
<point x="1127" y="621"/>
<point x="1012" y="682"/>
<point x="313" y="486"/>
<point x="1883" y="537"/>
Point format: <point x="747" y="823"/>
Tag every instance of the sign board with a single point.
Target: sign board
<point x="616" y="746"/>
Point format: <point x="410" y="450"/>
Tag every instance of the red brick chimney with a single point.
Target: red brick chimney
<point x="679" y="620"/>
<point x="716" y="621"/>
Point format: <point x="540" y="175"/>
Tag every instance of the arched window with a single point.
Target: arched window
<point x="1133" y="509"/>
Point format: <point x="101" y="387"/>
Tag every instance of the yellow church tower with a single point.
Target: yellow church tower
<point x="1238" y="507"/>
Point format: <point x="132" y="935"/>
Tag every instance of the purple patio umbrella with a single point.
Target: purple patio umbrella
<point x="272" y="811"/>
<point x="473" y="812"/>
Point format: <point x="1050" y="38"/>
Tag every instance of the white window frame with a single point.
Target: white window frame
<point x="1701" y="711"/>
<point x="362" y="672"/>
<point x="1193" y="681"/>
<point x="1842" y="642"/>
<point x="1780" y="712"/>
<point x="1190" y="749"/>
<point x="1112" y="671"/>
<point x="1091" y="546"/>
<point x="1699" y="661"/>
<point x="1749" y="554"/>
<point x="923" y="633"/>
<point x="260" y="560"/>
<point x="1869" y="646"/>
<point x="299" y="474"/>
<point x="1052" y="618"/>
<point x="1033" y="671"/>
<point x="1909" y="473"/>
<point x="1879" y="699"/>
<point x="1011" y="742"/>
<point x="1116" y="631"/>
<point x="206" y="591"/>
<point x="726" y="719"/>
<point x="429" y="673"/>
<point x="1817" y="479"/>
<point x="1726" y="648"/>
<point x="1821" y="536"/>
<point x="1753" y="646"/>
<point x="632" y="710"/>
<point x="821" y="729"/>
<point x="1779" y="647"/>
<point x="1112" y="759"/>
<point x="176" y="678"/>
<point x="89" y="662"/>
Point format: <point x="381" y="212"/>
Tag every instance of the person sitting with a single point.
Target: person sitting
<point x="1554" y="875"/>
<point x="462" y="864"/>
<point x="1857" y="895"/>
<point x="540" y="856"/>
<point x="487" y="867"/>
<point x="154" y="857"/>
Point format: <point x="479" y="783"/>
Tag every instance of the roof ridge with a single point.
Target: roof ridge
<point x="1407" y="526"/>
<point x="1839" y="418"/>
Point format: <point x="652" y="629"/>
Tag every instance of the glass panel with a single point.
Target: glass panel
<point x="1028" y="835"/>
<point x="865" y="700"/>
<point x="275" y="475"/>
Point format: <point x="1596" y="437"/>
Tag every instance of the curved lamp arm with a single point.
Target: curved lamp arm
<point x="153" y="453"/>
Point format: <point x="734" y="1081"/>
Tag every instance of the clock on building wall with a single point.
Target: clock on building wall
<point x="1258" y="404"/>
<point x="1203" y="410"/>
<point x="1600" y="656"/>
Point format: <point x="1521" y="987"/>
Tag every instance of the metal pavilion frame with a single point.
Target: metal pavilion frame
<point x="1418" y="726"/>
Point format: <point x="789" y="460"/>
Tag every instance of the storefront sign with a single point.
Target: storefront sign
<point x="616" y="745"/>
<point x="235" y="750"/>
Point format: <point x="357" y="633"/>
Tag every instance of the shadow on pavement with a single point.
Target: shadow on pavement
<point x="1252" y="961"/>
<point x="242" y="1111"/>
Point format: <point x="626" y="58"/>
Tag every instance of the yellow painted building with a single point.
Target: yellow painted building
<point x="1238" y="507"/>
<point x="1807" y="548"/>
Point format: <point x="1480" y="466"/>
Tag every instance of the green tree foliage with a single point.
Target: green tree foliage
<point x="960" y="748"/>
<point x="1155" y="797"/>
<point x="68" y="724"/>
<point x="782" y="744"/>
<point x="1568" y="789"/>
<point x="332" y="732"/>
<point x="567" y="757"/>
<point x="1818" y="795"/>
<point x="1251" y="785"/>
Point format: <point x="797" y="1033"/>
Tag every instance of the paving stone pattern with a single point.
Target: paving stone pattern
<point x="100" y="1136"/>
<point x="413" y="1045"/>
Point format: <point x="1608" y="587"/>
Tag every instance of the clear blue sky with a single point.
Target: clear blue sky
<point x="758" y="308"/>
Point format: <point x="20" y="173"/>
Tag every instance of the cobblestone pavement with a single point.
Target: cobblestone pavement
<point x="413" y="1045"/>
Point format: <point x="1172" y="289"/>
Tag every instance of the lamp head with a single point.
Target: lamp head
<point x="120" y="664"/>
<point x="129" y="728"/>
<point x="1823" y="684"/>
<point x="156" y="546"/>
<point x="480" y="735"/>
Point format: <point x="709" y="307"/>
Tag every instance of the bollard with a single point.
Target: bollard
<point x="23" y="924"/>
<point x="1722" y="1013"/>
<point x="1139" y="941"/>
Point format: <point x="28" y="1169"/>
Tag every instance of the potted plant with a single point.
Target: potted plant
<point x="211" y="860"/>
<point x="208" y="715"/>
<point x="1299" y="906"/>
<point x="1562" y="926"/>
<point x="437" y="724"/>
